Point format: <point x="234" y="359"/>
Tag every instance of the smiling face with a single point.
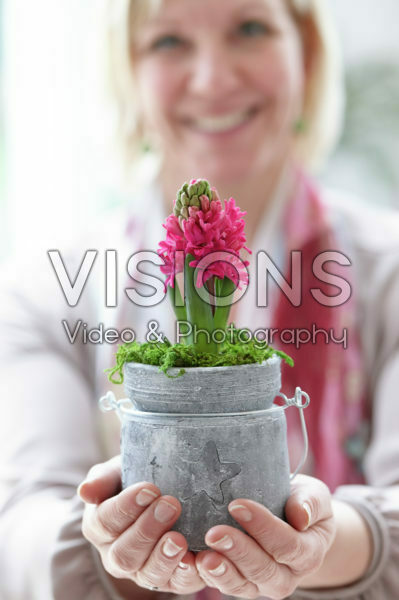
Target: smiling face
<point x="220" y="84"/>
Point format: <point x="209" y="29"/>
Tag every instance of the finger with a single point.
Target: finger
<point x="113" y="516"/>
<point x="132" y="548"/>
<point x="252" y="561"/>
<point x="309" y="502"/>
<point x="186" y="576"/>
<point x="286" y="545"/>
<point x="164" y="561"/>
<point x="218" y="571"/>
<point x="102" y="481"/>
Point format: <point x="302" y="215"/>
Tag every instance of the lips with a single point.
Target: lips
<point x="224" y="122"/>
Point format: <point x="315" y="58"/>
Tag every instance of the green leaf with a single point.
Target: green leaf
<point x="175" y="298"/>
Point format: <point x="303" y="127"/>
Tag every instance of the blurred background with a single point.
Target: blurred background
<point x="57" y="169"/>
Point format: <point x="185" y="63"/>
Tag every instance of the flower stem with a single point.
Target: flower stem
<point x="223" y="288"/>
<point x="199" y="312"/>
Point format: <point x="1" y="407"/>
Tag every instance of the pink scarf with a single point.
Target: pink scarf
<point x="330" y="374"/>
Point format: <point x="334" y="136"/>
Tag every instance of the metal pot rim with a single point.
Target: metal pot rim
<point x="275" y="359"/>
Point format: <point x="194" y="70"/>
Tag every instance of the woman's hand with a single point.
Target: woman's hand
<point x="278" y="555"/>
<point x="131" y="532"/>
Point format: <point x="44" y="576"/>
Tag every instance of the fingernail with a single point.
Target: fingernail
<point x="220" y="570"/>
<point x="306" y="507"/>
<point x="170" y="548"/>
<point x="79" y="488"/>
<point x="225" y="542"/>
<point x="164" y="511"/>
<point x="242" y="512"/>
<point x="145" y="497"/>
<point x="81" y="485"/>
<point x="183" y="565"/>
<point x="92" y="499"/>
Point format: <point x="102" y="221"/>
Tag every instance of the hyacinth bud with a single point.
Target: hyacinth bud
<point x="190" y="195"/>
<point x="215" y="195"/>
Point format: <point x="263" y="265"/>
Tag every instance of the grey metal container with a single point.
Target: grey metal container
<point x="207" y="437"/>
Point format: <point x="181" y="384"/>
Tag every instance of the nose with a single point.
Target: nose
<point x="214" y="71"/>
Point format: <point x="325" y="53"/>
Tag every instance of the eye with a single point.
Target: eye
<point x="253" y="28"/>
<point x="167" y="41"/>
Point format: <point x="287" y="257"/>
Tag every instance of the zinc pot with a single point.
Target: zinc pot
<point x="207" y="437"/>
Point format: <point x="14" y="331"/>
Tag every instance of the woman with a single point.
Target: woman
<point x="242" y="93"/>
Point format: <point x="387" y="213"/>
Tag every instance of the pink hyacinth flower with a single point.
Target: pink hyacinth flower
<point x="172" y="250"/>
<point x="217" y="230"/>
<point x="208" y="230"/>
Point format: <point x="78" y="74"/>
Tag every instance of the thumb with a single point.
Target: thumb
<point x="298" y="513"/>
<point x="309" y="502"/>
<point x="103" y="481"/>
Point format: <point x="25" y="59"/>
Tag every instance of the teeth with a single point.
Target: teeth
<point x="218" y="124"/>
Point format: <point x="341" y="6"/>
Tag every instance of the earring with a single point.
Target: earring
<point x="145" y="146"/>
<point x="300" y="125"/>
<point x="140" y="133"/>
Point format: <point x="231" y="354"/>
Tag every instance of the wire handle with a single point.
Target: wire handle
<point x="108" y="402"/>
<point x="297" y="402"/>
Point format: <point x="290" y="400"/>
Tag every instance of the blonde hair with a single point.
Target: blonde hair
<point x="323" y="99"/>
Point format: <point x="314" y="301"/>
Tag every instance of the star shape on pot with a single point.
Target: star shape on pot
<point x="206" y="473"/>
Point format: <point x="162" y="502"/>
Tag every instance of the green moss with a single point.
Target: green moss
<point x="165" y="355"/>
